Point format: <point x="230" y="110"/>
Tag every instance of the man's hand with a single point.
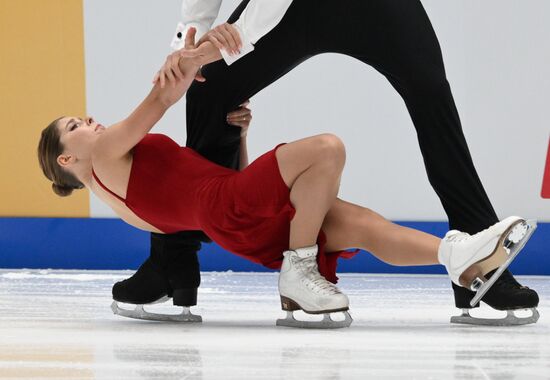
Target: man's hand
<point x="241" y="117"/>
<point x="174" y="70"/>
<point x="224" y="36"/>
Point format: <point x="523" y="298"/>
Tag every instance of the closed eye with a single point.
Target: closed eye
<point x="74" y="126"/>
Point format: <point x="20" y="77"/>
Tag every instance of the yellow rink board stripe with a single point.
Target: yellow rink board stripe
<point x="41" y="77"/>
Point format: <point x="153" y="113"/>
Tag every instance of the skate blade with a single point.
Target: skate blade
<point x="140" y="313"/>
<point x="326" y="323"/>
<point x="287" y="304"/>
<point x="511" y="319"/>
<point x="513" y="249"/>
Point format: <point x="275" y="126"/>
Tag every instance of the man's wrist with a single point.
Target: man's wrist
<point x="207" y="53"/>
<point x="246" y="48"/>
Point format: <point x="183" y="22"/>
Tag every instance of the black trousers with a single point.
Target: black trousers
<point x="393" y="36"/>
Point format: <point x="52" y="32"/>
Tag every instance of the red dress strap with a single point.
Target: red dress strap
<point x="106" y="188"/>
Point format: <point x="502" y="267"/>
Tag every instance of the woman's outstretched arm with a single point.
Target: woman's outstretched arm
<point x="120" y="138"/>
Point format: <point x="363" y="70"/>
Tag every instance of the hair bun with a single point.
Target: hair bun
<point x="61" y="190"/>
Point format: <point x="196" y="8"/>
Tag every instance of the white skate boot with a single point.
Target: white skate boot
<point x="302" y="287"/>
<point x="468" y="258"/>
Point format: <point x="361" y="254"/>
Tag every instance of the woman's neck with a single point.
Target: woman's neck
<point x="83" y="171"/>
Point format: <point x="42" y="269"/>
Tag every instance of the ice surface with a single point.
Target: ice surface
<point x="59" y="325"/>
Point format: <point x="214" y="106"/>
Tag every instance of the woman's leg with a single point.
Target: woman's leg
<point x="311" y="168"/>
<point x="351" y="226"/>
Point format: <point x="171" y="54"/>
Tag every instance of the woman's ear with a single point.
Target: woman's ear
<point x="65" y="160"/>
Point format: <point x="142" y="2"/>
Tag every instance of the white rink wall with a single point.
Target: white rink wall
<point x="496" y="55"/>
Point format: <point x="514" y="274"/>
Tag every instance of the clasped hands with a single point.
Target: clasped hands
<point x="187" y="61"/>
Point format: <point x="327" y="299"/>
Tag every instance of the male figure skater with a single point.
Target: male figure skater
<point x="397" y="39"/>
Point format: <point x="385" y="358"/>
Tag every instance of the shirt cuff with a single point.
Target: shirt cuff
<point x="178" y="41"/>
<point x="247" y="48"/>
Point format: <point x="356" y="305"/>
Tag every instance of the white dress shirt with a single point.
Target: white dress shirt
<point x="258" y="18"/>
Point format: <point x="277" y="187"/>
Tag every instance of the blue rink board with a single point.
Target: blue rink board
<point x="93" y="243"/>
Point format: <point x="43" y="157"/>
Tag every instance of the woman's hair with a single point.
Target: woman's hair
<point x="49" y="148"/>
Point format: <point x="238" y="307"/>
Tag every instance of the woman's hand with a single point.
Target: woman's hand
<point x="241" y="117"/>
<point x="176" y="68"/>
<point x="206" y="53"/>
<point x="224" y="36"/>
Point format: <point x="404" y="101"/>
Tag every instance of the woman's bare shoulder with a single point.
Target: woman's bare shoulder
<point x="103" y="147"/>
<point x="109" y="165"/>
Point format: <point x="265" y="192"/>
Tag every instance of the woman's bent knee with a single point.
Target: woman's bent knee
<point x="332" y="149"/>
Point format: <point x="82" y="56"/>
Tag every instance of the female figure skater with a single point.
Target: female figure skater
<point x="280" y="211"/>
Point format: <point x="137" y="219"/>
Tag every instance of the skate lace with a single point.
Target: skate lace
<point x="458" y="237"/>
<point x="466" y="235"/>
<point x="314" y="280"/>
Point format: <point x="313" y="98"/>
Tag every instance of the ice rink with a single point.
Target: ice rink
<point x="59" y="325"/>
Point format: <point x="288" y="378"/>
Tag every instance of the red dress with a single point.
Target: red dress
<point x="246" y="212"/>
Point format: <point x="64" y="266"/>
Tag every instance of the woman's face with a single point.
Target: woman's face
<point x="77" y="135"/>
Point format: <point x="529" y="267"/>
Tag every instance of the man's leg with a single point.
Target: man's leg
<point x="396" y="38"/>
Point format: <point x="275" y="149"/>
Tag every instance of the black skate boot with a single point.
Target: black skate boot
<point x="146" y="286"/>
<point x="506" y="294"/>
<point x="171" y="271"/>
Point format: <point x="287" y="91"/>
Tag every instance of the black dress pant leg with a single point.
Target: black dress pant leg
<point x="397" y="39"/>
<point x="208" y="103"/>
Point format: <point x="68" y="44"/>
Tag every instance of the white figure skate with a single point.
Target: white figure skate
<point x="140" y="313"/>
<point x="468" y="258"/>
<point x="302" y="287"/>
